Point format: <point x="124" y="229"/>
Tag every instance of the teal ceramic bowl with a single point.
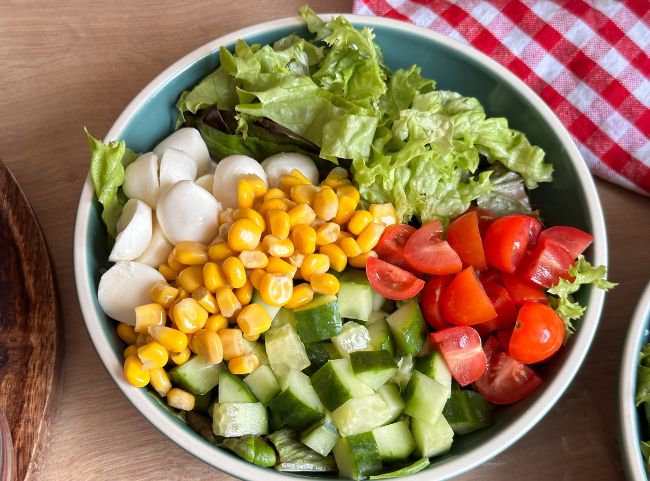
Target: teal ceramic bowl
<point x="570" y="200"/>
<point x="632" y="422"/>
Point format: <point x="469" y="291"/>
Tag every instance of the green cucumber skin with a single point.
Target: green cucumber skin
<point x="357" y="456"/>
<point x="380" y="337"/>
<point x="330" y="384"/>
<point x="433" y="365"/>
<point x="195" y="376"/>
<point x="283" y="406"/>
<point x="408" y="327"/>
<point x="318" y="356"/>
<point x="467" y="411"/>
<point x="424" y="398"/>
<point x="234" y="390"/>
<point x="373" y="367"/>
<point x="319" y="322"/>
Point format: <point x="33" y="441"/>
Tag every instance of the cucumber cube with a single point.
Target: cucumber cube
<point x="318" y="355"/>
<point x="361" y="414"/>
<point x="257" y="299"/>
<point x="354" y="337"/>
<point x="355" y="295"/>
<point x="357" y="456"/>
<point x="321" y="437"/>
<point x="433" y="365"/>
<point x="373" y="367"/>
<point x="432" y="439"/>
<point x="297" y="405"/>
<point x="425" y="398"/>
<point x="238" y="419"/>
<point x="318" y="320"/>
<point x="196" y="376"/>
<point x="391" y="395"/>
<point x="233" y="390"/>
<point x="408" y="327"/>
<point x="394" y="441"/>
<point x="284" y="350"/>
<point x="404" y="371"/>
<point x="284" y="316"/>
<point x="335" y="383"/>
<point x="467" y="411"/>
<point x="380" y="337"/>
<point x="263" y="383"/>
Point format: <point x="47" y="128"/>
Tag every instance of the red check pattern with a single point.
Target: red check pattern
<point x="588" y="60"/>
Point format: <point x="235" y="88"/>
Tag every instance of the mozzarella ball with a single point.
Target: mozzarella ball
<point x="188" y="140"/>
<point x="134" y="229"/>
<point x="141" y="179"/>
<point x="280" y="164"/>
<point x="227" y="175"/>
<point x="158" y="249"/>
<point x="124" y="287"/>
<point x="175" y="166"/>
<point x="187" y="212"/>
<point x="206" y="181"/>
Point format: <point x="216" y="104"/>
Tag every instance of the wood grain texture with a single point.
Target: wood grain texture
<point x="70" y="63"/>
<point x="29" y="350"/>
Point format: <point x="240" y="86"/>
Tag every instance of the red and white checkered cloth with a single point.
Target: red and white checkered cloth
<point x="588" y="60"/>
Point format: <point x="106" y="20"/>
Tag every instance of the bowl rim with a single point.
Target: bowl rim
<point x="454" y="466"/>
<point x="637" y="335"/>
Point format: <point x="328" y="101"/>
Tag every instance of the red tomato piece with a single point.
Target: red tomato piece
<point x="430" y="302"/>
<point x="390" y="247"/>
<point x="490" y="275"/>
<point x="573" y="240"/>
<point x="547" y="262"/>
<point x="504" y="306"/>
<point x="461" y="349"/>
<point x="522" y="290"/>
<point x="390" y="281"/>
<point x="538" y="334"/>
<point x="464" y="237"/>
<point x="507" y="240"/>
<point x="427" y="252"/>
<point x="504" y="336"/>
<point x="485" y="219"/>
<point x="505" y="381"/>
<point x="464" y="302"/>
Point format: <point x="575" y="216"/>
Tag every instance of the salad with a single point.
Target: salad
<point x="642" y="397"/>
<point x="331" y="266"/>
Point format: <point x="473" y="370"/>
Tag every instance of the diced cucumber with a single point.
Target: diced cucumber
<point x="202" y="402"/>
<point x="297" y="405"/>
<point x="335" y="383"/>
<point x="361" y="414"/>
<point x="377" y="316"/>
<point x="373" y="367"/>
<point x="260" y="351"/>
<point x="233" y="390"/>
<point x="380" y="337"/>
<point x="467" y="411"/>
<point x="357" y="456"/>
<point x="355" y="295"/>
<point x="354" y="337"/>
<point x="284" y="350"/>
<point x="318" y="355"/>
<point x="321" y="437"/>
<point x="284" y="316"/>
<point x="232" y="420"/>
<point x="275" y="422"/>
<point x="195" y="376"/>
<point x="263" y="383"/>
<point x="391" y="395"/>
<point x="293" y="456"/>
<point x="432" y="439"/>
<point x="318" y="320"/>
<point x="257" y="299"/>
<point x="433" y="365"/>
<point x="425" y="398"/>
<point x="408" y="327"/>
<point x="394" y="441"/>
<point x="412" y="468"/>
<point x="404" y="371"/>
<point x="377" y="301"/>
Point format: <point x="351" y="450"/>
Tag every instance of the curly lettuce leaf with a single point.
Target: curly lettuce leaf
<point x="508" y="195"/>
<point x="107" y="163"/>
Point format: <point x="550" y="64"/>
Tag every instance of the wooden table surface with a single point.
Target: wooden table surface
<point x="71" y="63"/>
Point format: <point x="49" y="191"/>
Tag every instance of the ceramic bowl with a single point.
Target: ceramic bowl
<point x="571" y="199"/>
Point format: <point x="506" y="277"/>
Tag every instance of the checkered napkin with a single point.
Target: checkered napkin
<point x="588" y="60"/>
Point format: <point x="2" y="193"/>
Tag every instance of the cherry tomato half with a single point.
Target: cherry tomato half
<point x="573" y="240"/>
<point x="507" y="240"/>
<point x="461" y="349"/>
<point x="538" y="333"/>
<point x="464" y="237"/>
<point x="427" y="252"/>
<point x="505" y="381"/>
<point x="390" y="247"/>
<point x="390" y="281"/>
<point x="547" y="262"/>
<point x="430" y="301"/>
<point x="522" y="290"/>
<point x="504" y="306"/>
<point x="464" y="302"/>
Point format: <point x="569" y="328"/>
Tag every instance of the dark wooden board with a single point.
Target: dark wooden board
<point x="30" y="348"/>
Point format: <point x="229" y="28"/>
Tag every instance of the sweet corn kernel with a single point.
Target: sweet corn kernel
<point x="274" y="193"/>
<point x="131" y="350"/>
<point x="337" y="177"/>
<point x="243" y="364"/>
<point x="302" y="294"/>
<point x="345" y="210"/>
<point x="298" y="174"/>
<point x="302" y="214"/>
<point x="171" y="339"/>
<point x="234" y="271"/>
<point x="244" y="235"/>
<point x="296" y="259"/>
<point x="304" y="239"/>
<point x="189" y="316"/>
<point x="327" y="233"/>
<point x="279" y="223"/>
<point x="338" y="259"/>
<point x="191" y="253"/>
<point x="149" y="315"/>
<point x="303" y="193"/>
<point x="135" y="373"/>
<point x="228" y="302"/>
<point x="277" y="247"/>
<point x="153" y="355"/>
<point x="359" y="221"/>
<point x="159" y="380"/>
<point x="350" y="246"/>
<point x="383" y="213"/>
<point x="191" y="278"/>
<point x="167" y="272"/>
<point x="222" y="233"/>
<point x="276" y="289"/>
<point x="244" y="293"/>
<point x="226" y="217"/>
<point x="253" y="259"/>
<point x="325" y="284"/>
<point x="126" y="333"/>
<point x="143" y="339"/>
<point x="232" y="342"/>
<point x="349" y="191"/>
<point x="213" y="277"/>
<point x="180" y="358"/>
<point x="207" y="344"/>
<point x="287" y="181"/>
<point x="179" y="399"/>
<point x="273" y="204"/>
<point x="360" y="261"/>
<point x="163" y="294"/>
<point x="280" y="266"/>
<point x="220" y="251"/>
<point x="216" y="322"/>
<point x="369" y="237"/>
<point x="205" y="299"/>
<point x="256" y="277"/>
<point x="326" y="203"/>
<point x="253" y="319"/>
<point x="252" y="339"/>
<point x="258" y="185"/>
<point x="252" y="215"/>
<point x="314" y="264"/>
<point x="245" y="194"/>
